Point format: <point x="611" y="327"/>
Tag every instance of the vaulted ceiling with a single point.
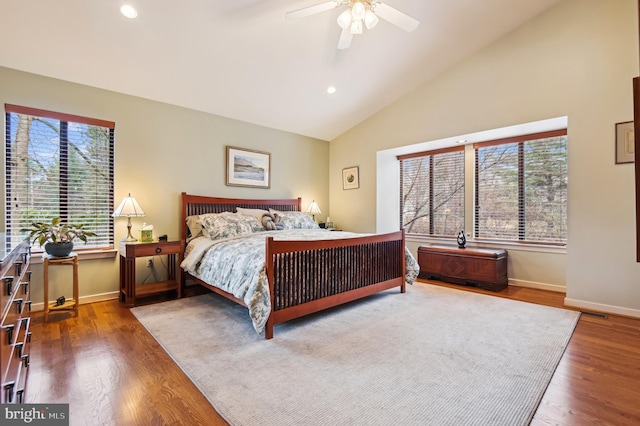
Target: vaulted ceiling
<point x="242" y="59"/>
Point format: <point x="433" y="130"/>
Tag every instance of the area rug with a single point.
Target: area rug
<point x="432" y="356"/>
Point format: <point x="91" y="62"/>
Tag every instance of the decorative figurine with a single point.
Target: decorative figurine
<point x="462" y="240"/>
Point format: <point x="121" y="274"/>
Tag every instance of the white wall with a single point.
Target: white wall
<point x="576" y="60"/>
<point x="162" y="150"/>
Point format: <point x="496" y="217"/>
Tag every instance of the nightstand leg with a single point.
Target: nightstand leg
<point x="46" y="289"/>
<point x="76" y="296"/>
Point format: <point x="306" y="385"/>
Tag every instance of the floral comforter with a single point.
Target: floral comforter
<point x="237" y="265"/>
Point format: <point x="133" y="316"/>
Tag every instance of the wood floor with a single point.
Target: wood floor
<point x="112" y="372"/>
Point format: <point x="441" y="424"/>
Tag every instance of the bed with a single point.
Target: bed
<point x="286" y="273"/>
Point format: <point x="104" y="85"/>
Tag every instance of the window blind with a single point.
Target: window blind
<point x="432" y="192"/>
<point x="59" y="165"/>
<point x="521" y="188"/>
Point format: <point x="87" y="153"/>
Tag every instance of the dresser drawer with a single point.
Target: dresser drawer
<point x="15" y="337"/>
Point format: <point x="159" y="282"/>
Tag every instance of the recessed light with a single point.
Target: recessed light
<point x="331" y="90"/>
<point x="461" y="141"/>
<point x="128" y="11"/>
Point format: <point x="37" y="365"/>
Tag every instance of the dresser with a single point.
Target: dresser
<point x="483" y="268"/>
<point x="15" y="337"/>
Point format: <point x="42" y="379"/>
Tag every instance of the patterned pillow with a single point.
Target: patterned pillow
<point x="227" y="224"/>
<point x="296" y="220"/>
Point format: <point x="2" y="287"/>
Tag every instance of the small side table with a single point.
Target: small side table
<point x="129" y="251"/>
<point x="69" y="305"/>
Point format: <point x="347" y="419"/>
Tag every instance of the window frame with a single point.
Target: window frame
<point x="520" y="140"/>
<point x="64" y="120"/>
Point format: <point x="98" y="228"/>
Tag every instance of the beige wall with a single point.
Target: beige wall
<point x="575" y="60"/>
<point x="162" y="150"/>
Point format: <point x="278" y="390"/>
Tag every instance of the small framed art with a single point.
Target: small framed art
<point x="350" y="178"/>
<point x="625" y="142"/>
<point x="246" y="167"/>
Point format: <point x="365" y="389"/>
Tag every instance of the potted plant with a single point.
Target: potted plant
<point x="57" y="237"/>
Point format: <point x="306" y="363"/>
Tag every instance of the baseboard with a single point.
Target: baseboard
<point x="602" y="308"/>
<point x="537" y="285"/>
<point x="35" y="307"/>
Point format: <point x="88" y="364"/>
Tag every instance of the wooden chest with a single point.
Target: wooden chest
<point x="483" y="268"/>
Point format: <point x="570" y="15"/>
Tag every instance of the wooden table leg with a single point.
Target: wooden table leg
<point x="46" y="289"/>
<point x="76" y="296"/>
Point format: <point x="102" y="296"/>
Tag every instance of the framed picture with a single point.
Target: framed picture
<point x="247" y="167"/>
<point x="350" y="178"/>
<point x="625" y="142"/>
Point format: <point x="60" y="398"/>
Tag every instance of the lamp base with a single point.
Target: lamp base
<point x="129" y="238"/>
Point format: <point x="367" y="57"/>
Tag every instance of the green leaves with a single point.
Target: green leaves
<point x="57" y="232"/>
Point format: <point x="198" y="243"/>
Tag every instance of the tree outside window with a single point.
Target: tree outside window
<point x="521" y="189"/>
<point x="432" y="192"/>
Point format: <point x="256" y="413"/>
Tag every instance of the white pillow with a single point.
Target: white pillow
<point x="295" y="220"/>
<point x="257" y="213"/>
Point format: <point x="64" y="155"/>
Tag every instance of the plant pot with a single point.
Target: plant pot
<point x="59" y="249"/>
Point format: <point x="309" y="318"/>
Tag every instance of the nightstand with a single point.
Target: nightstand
<point x="129" y="290"/>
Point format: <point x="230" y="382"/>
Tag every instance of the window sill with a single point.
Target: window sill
<point x="36" y="256"/>
<point x="507" y="245"/>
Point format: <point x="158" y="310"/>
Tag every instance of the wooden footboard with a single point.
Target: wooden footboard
<point x="309" y="276"/>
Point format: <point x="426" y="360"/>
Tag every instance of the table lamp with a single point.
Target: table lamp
<point x="314" y="209"/>
<point x="128" y="208"/>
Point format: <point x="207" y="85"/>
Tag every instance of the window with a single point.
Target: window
<point x="521" y="188"/>
<point x="432" y="192"/>
<point x="58" y="165"/>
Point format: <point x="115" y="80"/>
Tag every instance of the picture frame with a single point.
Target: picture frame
<point x="249" y="168"/>
<point x="350" y="178"/>
<point x="625" y="142"/>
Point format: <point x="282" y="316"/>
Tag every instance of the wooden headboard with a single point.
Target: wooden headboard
<point x="198" y="204"/>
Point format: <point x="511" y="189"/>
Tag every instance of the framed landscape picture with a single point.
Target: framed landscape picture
<point x="350" y="178"/>
<point x="625" y="143"/>
<point x="247" y="167"/>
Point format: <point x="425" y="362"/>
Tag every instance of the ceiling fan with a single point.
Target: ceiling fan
<point x="359" y="13"/>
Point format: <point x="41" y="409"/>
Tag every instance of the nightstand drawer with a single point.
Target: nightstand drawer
<point x="153" y="249"/>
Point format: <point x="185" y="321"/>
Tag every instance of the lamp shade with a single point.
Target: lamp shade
<point x="129" y="207"/>
<point x="370" y="19"/>
<point x="314" y="208"/>
<point x="344" y="19"/>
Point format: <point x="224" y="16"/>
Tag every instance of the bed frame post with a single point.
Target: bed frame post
<point x="403" y="287"/>
<point x="268" y="328"/>
<point x="183" y="239"/>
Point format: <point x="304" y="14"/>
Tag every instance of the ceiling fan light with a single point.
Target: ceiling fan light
<point x="344" y="19"/>
<point x="358" y="11"/>
<point x="370" y="19"/>
<point x="356" y="27"/>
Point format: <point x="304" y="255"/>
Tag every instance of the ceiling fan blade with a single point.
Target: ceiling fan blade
<point x="312" y="10"/>
<point x="345" y="39"/>
<point x="396" y="17"/>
